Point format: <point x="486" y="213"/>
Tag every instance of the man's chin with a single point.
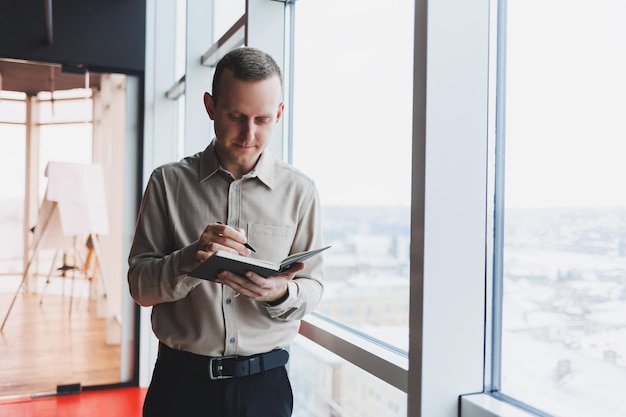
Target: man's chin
<point x="247" y="159"/>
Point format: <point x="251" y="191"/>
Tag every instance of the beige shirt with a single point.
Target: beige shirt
<point x="278" y="207"/>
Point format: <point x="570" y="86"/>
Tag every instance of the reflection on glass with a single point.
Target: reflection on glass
<point x="325" y="385"/>
<point x="352" y="134"/>
<point x="564" y="253"/>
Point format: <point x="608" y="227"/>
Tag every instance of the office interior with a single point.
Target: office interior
<point x="396" y="109"/>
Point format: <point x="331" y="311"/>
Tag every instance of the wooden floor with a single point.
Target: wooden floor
<point x="43" y="346"/>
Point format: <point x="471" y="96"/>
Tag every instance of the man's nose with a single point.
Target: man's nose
<point x="249" y="129"/>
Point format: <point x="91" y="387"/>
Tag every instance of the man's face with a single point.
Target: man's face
<point x="244" y="117"/>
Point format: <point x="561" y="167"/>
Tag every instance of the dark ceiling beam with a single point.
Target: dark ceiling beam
<point x="33" y="77"/>
<point x="48" y="7"/>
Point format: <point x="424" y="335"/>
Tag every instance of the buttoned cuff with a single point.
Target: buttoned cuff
<point x="287" y="303"/>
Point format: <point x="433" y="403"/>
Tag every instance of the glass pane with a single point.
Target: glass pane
<point x="69" y="323"/>
<point x="352" y="133"/>
<point x="226" y="13"/>
<point x="66" y="111"/>
<point x="12" y="111"/>
<point x="325" y="385"/>
<point x="564" y="251"/>
<point x="181" y="39"/>
<point x="12" y="177"/>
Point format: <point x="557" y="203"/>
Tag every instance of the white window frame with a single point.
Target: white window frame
<point x="446" y="351"/>
<point x="487" y="402"/>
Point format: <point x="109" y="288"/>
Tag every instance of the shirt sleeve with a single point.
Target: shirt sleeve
<point x="307" y="288"/>
<point x="157" y="270"/>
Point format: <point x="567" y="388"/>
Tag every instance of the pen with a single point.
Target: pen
<point x="247" y="245"/>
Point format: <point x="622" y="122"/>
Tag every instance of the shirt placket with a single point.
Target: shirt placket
<point x="228" y="297"/>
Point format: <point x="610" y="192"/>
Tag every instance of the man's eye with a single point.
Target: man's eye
<point x="236" y="117"/>
<point x="262" y="120"/>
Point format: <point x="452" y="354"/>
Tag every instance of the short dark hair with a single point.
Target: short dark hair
<point x="247" y="64"/>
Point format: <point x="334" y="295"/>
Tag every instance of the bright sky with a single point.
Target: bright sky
<point x="565" y="102"/>
<point x="353" y="103"/>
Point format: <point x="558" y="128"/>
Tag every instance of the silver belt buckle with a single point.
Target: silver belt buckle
<point x="219" y="367"/>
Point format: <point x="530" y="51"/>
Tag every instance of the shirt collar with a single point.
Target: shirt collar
<point x="264" y="169"/>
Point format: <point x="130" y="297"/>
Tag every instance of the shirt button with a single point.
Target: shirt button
<point x="233" y="222"/>
<point x="228" y="301"/>
<point x="235" y="187"/>
<point x="232" y="340"/>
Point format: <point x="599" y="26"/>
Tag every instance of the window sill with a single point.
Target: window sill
<point x="389" y="366"/>
<point x="483" y="405"/>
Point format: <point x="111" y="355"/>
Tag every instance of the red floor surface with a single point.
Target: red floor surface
<point x="120" y="402"/>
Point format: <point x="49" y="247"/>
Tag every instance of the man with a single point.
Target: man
<point x="221" y="344"/>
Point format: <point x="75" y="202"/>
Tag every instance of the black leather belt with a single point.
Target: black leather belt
<point x="224" y="367"/>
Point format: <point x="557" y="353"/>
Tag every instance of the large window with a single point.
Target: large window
<point x="352" y="133"/>
<point x="561" y="246"/>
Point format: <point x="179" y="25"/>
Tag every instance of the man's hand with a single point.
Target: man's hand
<point x="217" y="236"/>
<point x="257" y="288"/>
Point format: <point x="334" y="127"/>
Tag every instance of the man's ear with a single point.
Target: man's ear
<point x="281" y="108"/>
<point x="209" y="105"/>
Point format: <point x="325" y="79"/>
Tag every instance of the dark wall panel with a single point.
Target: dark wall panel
<point x="100" y="34"/>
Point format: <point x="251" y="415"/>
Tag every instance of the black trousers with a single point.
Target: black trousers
<point x="186" y="390"/>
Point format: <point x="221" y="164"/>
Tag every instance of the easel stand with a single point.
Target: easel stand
<point x="93" y="255"/>
<point x="34" y="252"/>
<point x="36" y="242"/>
<point x="74" y="206"/>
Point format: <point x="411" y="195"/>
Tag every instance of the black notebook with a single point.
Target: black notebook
<point x="239" y="264"/>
